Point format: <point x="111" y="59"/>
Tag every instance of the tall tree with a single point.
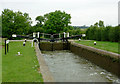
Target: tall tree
<point x="103" y="33"/>
<point x="15" y="23"/>
<point x="40" y="20"/>
<point x="101" y="23"/>
<point x="96" y="24"/>
<point x="56" y="22"/>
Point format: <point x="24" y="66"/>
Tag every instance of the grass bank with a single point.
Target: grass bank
<point x="23" y="68"/>
<point x="108" y="46"/>
<point x="0" y="59"/>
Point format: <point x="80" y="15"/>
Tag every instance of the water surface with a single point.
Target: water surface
<point x="68" y="67"/>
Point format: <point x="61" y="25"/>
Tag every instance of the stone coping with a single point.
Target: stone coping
<point x="99" y="51"/>
<point x="46" y="74"/>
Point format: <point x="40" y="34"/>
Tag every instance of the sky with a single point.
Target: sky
<point x="83" y="12"/>
<point x="119" y="13"/>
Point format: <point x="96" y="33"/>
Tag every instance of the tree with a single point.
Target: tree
<point x="103" y="33"/>
<point x="37" y="29"/>
<point x="56" y="22"/>
<point x="101" y="23"/>
<point x="91" y="32"/>
<point x="15" y="23"/>
<point x="96" y="24"/>
<point x="40" y="20"/>
<point x="114" y="34"/>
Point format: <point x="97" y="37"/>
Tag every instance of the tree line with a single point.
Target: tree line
<point x="20" y="23"/>
<point x="100" y="32"/>
<point x="15" y="23"/>
<point x="54" y="22"/>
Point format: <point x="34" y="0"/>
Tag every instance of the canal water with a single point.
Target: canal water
<point x="68" y="67"/>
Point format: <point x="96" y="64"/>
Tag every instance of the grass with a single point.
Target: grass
<point x="108" y="46"/>
<point x="0" y="60"/>
<point x="23" y="68"/>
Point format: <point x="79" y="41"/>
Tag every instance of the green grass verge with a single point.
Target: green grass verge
<point x="23" y="68"/>
<point x="0" y="60"/>
<point x="108" y="46"/>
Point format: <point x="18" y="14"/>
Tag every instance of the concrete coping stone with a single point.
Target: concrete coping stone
<point x="46" y="74"/>
<point x="99" y="51"/>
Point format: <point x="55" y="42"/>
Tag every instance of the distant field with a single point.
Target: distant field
<point x="23" y="68"/>
<point x="108" y="46"/>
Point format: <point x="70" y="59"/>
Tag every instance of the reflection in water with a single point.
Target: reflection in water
<point x="68" y="67"/>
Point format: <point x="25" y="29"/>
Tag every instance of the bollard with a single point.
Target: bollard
<point x="79" y="39"/>
<point x="18" y="53"/>
<point x="25" y="40"/>
<point x="7" y="42"/>
<point x="23" y="43"/>
<point x="94" y="43"/>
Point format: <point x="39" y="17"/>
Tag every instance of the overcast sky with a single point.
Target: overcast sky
<point x="83" y="12"/>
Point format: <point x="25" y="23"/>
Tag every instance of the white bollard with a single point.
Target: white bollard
<point x="25" y="40"/>
<point x="18" y="53"/>
<point x="94" y="42"/>
<point x="23" y="43"/>
<point x="79" y="39"/>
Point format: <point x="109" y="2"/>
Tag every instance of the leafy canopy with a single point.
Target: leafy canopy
<point x="15" y="23"/>
<point x="56" y="22"/>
